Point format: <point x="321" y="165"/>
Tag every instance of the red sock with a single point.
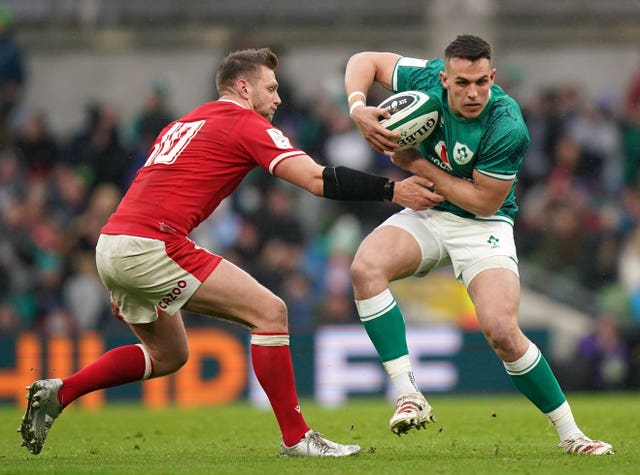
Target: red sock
<point x="116" y="367"/>
<point x="272" y="364"/>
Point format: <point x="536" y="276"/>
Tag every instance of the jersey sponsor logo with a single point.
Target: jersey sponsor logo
<point x="166" y="228"/>
<point x="442" y="158"/>
<point x="279" y="139"/>
<point x="172" y="295"/>
<point x="461" y="153"/>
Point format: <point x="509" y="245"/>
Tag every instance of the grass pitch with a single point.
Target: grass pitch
<point x="473" y="435"/>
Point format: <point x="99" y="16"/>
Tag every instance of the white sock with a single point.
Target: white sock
<point x="401" y="375"/>
<point x="562" y="419"/>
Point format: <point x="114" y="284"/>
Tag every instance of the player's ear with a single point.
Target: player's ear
<point x="443" y="79"/>
<point x="242" y="88"/>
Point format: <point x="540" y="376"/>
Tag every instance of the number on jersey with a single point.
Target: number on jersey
<point x="173" y="142"/>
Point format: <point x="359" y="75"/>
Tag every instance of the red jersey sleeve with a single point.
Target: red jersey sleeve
<point x="265" y="143"/>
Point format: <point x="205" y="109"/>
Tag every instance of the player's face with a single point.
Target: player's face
<point x="264" y="94"/>
<point x="468" y="84"/>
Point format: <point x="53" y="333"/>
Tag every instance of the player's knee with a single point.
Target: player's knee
<point x="502" y="339"/>
<point x="170" y="362"/>
<point x="272" y="315"/>
<point x="363" y="269"/>
<point x="181" y="358"/>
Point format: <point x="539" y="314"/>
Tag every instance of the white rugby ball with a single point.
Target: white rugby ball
<point x="414" y="115"/>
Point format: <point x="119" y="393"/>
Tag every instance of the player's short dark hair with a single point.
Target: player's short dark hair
<point x="468" y="47"/>
<point x="245" y="62"/>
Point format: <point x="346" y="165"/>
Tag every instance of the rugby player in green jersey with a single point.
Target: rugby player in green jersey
<point x="472" y="158"/>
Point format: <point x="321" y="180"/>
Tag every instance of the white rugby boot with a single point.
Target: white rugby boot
<point x="412" y="412"/>
<point x="314" y="445"/>
<point x="583" y="445"/>
<point x="42" y="410"/>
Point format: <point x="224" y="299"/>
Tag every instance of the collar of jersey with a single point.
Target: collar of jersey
<point x="232" y="101"/>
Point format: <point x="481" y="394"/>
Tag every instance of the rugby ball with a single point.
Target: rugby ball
<point x="414" y="115"/>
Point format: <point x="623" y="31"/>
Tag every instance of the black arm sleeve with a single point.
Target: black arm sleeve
<point x="347" y="184"/>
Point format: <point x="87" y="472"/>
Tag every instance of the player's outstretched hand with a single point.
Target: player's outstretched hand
<point x="367" y="119"/>
<point x="415" y="193"/>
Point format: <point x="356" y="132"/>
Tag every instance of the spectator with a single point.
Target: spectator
<point x="629" y="271"/>
<point x="82" y="290"/>
<point x="597" y="133"/>
<point x="10" y="323"/>
<point x="98" y="150"/>
<point x="38" y="148"/>
<point x="555" y="212"/>
<point x="154" y="116"/>
<point x="631" y="133"/>
<point x="604" y="354"/>
<point x="156" y="113"/>
<point x="68" y="192"/>
<point x="537" y="161"/>
<point x="297" y="292"/>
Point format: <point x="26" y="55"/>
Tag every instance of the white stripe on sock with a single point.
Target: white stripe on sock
<point x="281" y="339"/>
<point x="147" y="362"/>
<point x="373" y="307"/>
<point x="525" y="363"/>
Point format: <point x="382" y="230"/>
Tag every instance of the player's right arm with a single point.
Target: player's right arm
<point x="367" y="67"/>
<point x="363" y="69"/>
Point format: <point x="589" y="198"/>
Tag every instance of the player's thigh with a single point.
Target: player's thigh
<point x="495" y="294"/>
<point x="231" y="293"/>
<point x="407" y="243"/>
<point x="388" y="251"/>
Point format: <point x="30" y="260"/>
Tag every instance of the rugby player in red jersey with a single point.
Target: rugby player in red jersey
<point x="152" y="269"/>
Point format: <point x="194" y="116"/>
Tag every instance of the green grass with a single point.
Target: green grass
<point x="473" y="435"/>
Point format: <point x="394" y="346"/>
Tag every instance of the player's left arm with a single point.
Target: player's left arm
<point x="482" y="196"/>
<point x="495" y="170"/>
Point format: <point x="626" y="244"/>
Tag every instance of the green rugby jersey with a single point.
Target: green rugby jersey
<point x="494" y="143"/>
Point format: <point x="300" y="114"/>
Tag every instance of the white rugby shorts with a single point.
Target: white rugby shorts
<point x="471" y="246"/>
<point x="147" y="276"/>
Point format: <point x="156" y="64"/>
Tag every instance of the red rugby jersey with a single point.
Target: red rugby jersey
<point x="194" y="164"/>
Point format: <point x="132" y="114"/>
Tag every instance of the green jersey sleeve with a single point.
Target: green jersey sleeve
<point x="414" y="74"/>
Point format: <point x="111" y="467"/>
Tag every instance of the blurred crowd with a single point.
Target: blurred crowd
<point x="578" y="230"/>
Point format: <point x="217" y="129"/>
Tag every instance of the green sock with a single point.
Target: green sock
<point x="532" y="376"/>
<point x="384" y="324"/>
